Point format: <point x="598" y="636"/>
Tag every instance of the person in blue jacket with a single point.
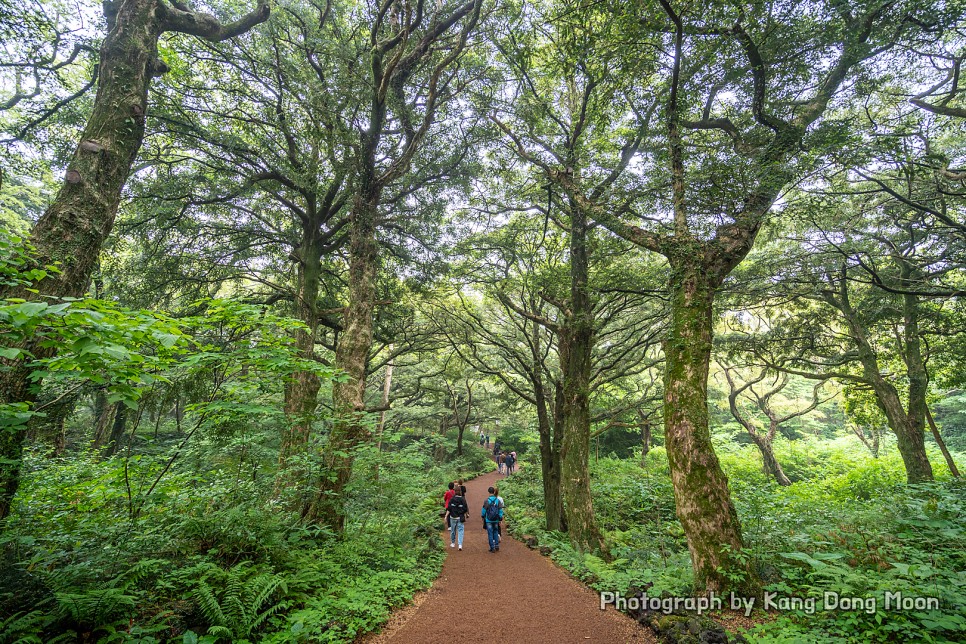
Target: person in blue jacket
<point x="492" y="514"/>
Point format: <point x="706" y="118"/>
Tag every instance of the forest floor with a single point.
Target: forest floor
<point x="514" y="595"/>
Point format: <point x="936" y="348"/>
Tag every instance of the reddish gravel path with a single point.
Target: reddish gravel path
<point x="530" y="599"/>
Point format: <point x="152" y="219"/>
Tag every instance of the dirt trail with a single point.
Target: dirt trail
<point x="514" y="595"/>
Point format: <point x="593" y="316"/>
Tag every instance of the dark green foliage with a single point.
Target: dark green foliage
<point x="516" y="439"/>
<point x="211" y="557"/>
<point x="848" y="526"/>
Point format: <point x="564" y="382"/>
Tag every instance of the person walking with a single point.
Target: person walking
<point x="492" y="514"/>
<point x="456" y="513"/>
<point x="509" y="462"/>
<point x="450" y="493"/>
<point x="501" y="462"/>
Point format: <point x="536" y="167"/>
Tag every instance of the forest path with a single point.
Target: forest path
<point x="514" y="595"/>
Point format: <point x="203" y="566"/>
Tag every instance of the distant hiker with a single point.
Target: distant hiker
<point x="456" y="513"/>
<point x="496" y="449"/>
<point x="509" y="461"/>
<point x="461" y="488"/>
<point x="492" y="514"/>
<point x="501" y="462"/>
<point x="450" y="493"/>
<point x="482" y="440"/>
<point x="487" y="440"/>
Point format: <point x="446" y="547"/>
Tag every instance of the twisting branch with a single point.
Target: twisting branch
<point x="179" y="18"/>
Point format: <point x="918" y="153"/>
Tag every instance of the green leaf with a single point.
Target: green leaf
<point x="168" y="340"/>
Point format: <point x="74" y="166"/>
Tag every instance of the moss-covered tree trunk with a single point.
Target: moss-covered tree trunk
<point x="104" y="413"/>
<point x="909" y="430"/>
<point x="912" y="442"/>
<point x="549" y="462"/>
<point x="52" y="428"/>
<point x="576" y="340"/>
<point x="302" y="390"/>
<point x="645" y="425"/>
<point x="908" y="425"/>
<point x="73" y="229"/>
<point x="549" y="450"/>
<point x="701" y="493"/>
<point x="349" y="427"/>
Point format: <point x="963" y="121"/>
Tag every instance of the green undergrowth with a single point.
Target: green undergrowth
<point x="848" y="527"/>
<point x="210" y="557"/>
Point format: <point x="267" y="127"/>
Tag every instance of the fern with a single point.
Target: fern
<point x="23" y="628"/>
<point x="244" y="605"/>
<point x="208" y="604"/>
<point x="95" y="608"/>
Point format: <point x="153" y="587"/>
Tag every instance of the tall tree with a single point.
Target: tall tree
<point x="413" y="70"/>
<point x="732" y="90"/>
<point x="73" y="229"/>
<point x="862" y="312"/>
<point x="566" y="104"/>
<point x="518" y="326"/>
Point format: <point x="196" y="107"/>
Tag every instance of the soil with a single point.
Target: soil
<point x="514" y="595"/>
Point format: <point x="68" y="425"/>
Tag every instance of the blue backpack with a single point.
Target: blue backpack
<point x="492" y="510"/>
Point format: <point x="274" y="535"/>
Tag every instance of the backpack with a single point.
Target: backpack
<point x="457" y="507"/>
<point x="492" y="510"/>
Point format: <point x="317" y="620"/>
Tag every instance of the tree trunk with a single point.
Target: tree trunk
<point x="302" y="390"/>
<point x="72" y="230"/>
<point x="556" y="447"/>
<point x="915" y="429"/>
<point x="52" y="428"/>
<point x="386" y="388"/>
<point x="910" y="438"/>
<point x="351" y="357"/>
<point x="909" y="427"/>
<point x="549" y="463"/>
<point x="872" y="441"/>
<point x="701" y="493"/>
<point x="576" y="342"/>
<point x="645" y="425"/>
<point x="117" y="432"/>
<point x="771" y="465"/>
<point x="942" y="445"/>
<point x="381" y="426"/>
<point x="104" y="414"/>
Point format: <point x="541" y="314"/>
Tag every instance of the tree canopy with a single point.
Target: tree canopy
<point x="301" y="258"/>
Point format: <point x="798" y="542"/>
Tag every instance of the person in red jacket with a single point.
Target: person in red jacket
<point x="450" y="493"/>
<point x="456" y="513"/>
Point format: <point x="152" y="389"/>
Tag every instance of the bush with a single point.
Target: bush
<point x="848" y="525"/>
<point x="210" y="557"/>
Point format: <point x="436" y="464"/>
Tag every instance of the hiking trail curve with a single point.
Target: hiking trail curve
<point x="514" y="595"/>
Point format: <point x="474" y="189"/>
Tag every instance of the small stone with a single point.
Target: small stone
<point x="73" y="176"/>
